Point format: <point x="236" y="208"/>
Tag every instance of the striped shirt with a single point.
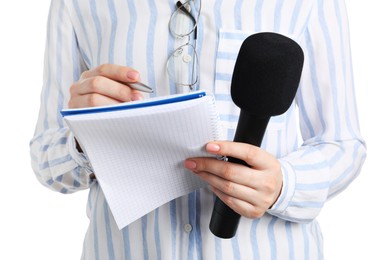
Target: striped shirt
<point x="320" y="156"/>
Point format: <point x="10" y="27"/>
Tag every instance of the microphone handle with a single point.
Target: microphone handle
<point x="250" y="129"/>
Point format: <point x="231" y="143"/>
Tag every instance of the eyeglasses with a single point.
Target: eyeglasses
<point x="182" y="64"/>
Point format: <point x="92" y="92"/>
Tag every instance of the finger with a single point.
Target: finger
<point x="252" y="155"/>
<point x="106" y="87"/>
<point x="114" y="72"/>
<point x="231" y="172"/>
<point x="242" y="207"/>
<point x="254" y="186"/>
<point x="230" y="188"/>
<point x="91" y="100"/>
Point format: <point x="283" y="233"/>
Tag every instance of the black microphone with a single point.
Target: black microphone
<point x="264" y="83"/>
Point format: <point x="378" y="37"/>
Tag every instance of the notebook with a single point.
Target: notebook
<point x="137" y="149"/>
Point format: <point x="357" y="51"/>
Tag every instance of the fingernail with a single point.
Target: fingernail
<point x="136" y="96"/>
<point x="133" y="75"/>
<point x="213" y="147"/>
<point x="189" y="164"/>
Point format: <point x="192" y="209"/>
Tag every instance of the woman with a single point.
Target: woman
<point x="92" y="48"/>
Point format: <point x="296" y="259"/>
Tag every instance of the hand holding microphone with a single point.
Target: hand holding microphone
<point x="250" y="191"/>
<point x="264" y="83"/>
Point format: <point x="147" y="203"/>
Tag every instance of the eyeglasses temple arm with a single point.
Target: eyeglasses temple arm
<point x="179" y="6"/>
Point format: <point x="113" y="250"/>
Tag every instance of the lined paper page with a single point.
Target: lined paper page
<point x="137" y="155"/>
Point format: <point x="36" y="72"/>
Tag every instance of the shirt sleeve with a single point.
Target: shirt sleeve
<point x="54" y="157"/>
<point x="333" y="150"/>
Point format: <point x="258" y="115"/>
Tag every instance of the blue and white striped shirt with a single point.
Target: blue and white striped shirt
<point x="320" y="156"/>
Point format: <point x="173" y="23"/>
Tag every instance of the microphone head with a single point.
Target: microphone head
<point x="266" y="74"/>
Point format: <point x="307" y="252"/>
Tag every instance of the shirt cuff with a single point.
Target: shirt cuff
<point x="288" y="190"/>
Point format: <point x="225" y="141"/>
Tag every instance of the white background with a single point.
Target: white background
<point x="36" y="223"/>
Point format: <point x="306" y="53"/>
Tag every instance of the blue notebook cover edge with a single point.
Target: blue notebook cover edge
<point x="147" y="103"/>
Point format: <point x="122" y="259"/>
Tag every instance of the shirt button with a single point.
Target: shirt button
<point x="187" y="228"/>
<point x="187" y="58"/>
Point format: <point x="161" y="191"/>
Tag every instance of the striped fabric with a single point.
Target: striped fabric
<point x="320" y="156"/>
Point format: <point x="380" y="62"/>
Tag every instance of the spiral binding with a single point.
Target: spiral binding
<point x="214" y="115"/>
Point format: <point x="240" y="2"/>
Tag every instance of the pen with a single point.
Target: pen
<point x="139" y="86"/>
